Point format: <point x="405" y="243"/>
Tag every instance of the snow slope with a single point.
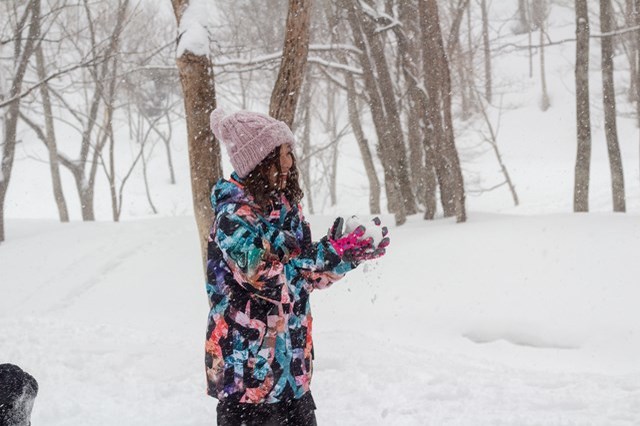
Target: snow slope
<point x="523" y="316"/>
<point x="503" y="320"/>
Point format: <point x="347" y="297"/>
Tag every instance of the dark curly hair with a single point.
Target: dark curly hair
<point x="258" y="186"/>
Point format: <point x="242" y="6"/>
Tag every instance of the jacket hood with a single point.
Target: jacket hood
<point x="228" y="191"/>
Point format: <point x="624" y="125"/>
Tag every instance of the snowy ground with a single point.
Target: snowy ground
<point x="504" y="320"/>
<point x="524" y="315"/>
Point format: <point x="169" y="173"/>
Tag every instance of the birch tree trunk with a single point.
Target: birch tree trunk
<point x="286" y="92"/>
<point x="196" y="77"/>
<point x="583" y="117"/>
<point x="609" y="101"/>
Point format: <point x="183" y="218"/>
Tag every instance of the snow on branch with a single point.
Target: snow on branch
<point x="618" y="32"/>
<point x="253" y="63"/>
<point x="278" y="55"/>
<point x="334" y="65"/>
<point x="380" y="17"/>
<point x="334" y="47"/>
<point x="248" y="61"/>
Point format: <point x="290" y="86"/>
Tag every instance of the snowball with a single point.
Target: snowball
<point x="371" y="229"/>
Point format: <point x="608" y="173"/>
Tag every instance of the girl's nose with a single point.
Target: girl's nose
<point x="286" y="164"/>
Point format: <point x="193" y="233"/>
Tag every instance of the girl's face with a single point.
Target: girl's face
<point x="278" y="178"/>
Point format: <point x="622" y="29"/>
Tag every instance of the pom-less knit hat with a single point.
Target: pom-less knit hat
<point x="249" y="137"/>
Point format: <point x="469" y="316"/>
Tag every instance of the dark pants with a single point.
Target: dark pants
<point x="294" y="412"/>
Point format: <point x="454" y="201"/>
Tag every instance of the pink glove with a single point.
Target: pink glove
<point x="358" y="245"/>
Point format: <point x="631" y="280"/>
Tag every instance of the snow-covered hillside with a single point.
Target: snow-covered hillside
<point x="509" y="320"/>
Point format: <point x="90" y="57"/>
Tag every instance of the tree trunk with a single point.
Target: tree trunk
<point x="523" y="20"/>
<point x="196" y="76"/>
<point x="544" y="105"/>
<point x="356" y="125"/>
<point x="636" y="34"/>
<point x="305" y="168"/>
<point x="167" y="145"/>
<point x="23" y="53"/>
<point x="583" y="115"/>
<point x="331" y="128"/>
<point x="392" y="125"/>
<point x="470" y="68"/>
<point x="431" y="180"/>
<point x="99" y="74"/>
<point x="409" y="59"/>
<point x="628" y="44"/>
<point x="609" y="100"/>
<point x="284" y="96"/>
<point x="52" y="148"/>
<point x="111" y="175"/>
<point x="530" y="41"/>
<point x="438" y="84"/>
<point x="363" y="145"/>
<point x="384" y="146"/>
<point x="636" y="10"/>
<point x="487" y="51"/>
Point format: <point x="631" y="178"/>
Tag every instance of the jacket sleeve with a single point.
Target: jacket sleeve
<point x="319" y="264"/>
<point x="254" y="249"/>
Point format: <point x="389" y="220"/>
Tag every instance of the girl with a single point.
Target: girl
<point x="262" y="266"/>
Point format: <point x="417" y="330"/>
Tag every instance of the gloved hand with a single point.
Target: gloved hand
<point x="355" y="243"/>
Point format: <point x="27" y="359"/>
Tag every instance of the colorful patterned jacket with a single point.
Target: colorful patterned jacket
<point x="262" y="266"/>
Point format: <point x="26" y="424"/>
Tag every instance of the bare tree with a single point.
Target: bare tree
<point x="492" y="140"/>
<point x="52" y="147"/>
<point x="523" y="25"/>
<point x="583" y="117"/>
<point x="636" y="9"/>
<point x="438" y="85"/>
<point x="363" y="145"/>
<point x="354" y="117"/>
<point x="48" y="135"/>
<point x="304" y="164"/>
<point x="99" y="75"/>
<point x="335" y="27"/>
<point x="196" y="76"/>
<point x="422" y="170"/>
<point x="540" y="12"/>
<point x="24" y="47"/>
<point x="286" y="91"/>
<point x="369" y="38"/>
<point x="609" y="101"/>
<point x="384" y="146"/>
<point x="456" y="56"/>
<point x="488" y="84"/>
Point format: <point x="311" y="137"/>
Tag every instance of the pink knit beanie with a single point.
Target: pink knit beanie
<point x="249" y="137"/>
